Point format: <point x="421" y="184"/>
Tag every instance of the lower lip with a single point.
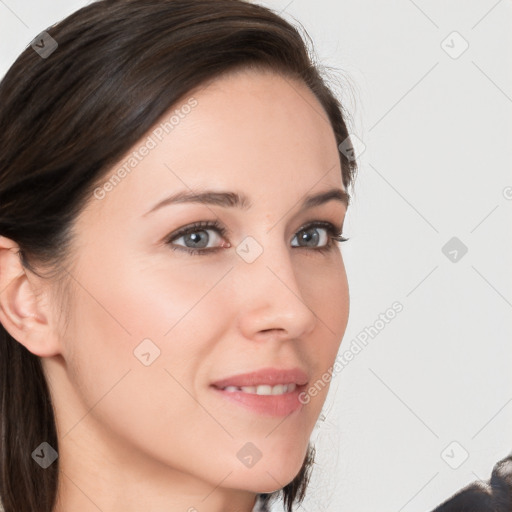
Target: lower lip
<point x="269" y="405"/>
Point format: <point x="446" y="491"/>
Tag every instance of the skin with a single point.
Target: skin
<point x="157" y="438"/>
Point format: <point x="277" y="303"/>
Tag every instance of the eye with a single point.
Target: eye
<point x="309" y="234"/>
<point x="196" y="238"/>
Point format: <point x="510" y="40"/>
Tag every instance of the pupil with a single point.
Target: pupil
<point x="194" y="237"/>
<point x="313" y="237"/>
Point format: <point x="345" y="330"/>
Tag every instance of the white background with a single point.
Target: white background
<point x="436" y="165"/>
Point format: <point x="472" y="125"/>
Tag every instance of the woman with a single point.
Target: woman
<point x="171" y="195"/>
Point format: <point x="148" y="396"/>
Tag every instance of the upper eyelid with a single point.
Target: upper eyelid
<point x="211" y="225"/>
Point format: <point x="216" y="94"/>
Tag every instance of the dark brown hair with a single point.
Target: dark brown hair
<point x="66" y="118"/>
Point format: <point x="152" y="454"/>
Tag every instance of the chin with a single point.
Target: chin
<point x="270" y="473"/>
<point x="263" y="482"/>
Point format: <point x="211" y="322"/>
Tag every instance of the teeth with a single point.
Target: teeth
<point x="264" y="389"/>
<point x="279" y="389"/>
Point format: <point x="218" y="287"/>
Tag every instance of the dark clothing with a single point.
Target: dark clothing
<point x="493" y="495"/>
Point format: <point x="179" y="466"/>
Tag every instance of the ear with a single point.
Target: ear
<point x="23" y="313"/>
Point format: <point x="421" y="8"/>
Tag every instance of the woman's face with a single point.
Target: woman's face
<point x="153" y="326"/>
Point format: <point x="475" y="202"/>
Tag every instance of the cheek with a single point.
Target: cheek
<point x="133" y="318"/>
<point x="143" y="407"/>
<point x="326" y="292"/>
<point x="137" y="343"/>
<point x="329" y="299"/>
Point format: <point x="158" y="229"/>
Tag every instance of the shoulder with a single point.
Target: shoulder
<point x="493" y="495"/>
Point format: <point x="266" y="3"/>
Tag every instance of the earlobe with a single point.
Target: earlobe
<point x="21" y="312"/>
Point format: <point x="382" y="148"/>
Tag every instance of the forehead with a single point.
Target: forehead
<point x="250" y="130"/>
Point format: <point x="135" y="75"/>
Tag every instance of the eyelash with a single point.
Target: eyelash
<point x="334" y="235"/>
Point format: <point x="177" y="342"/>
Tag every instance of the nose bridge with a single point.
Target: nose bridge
<point x="267" y="259"/>
<point x="269" y="293"/>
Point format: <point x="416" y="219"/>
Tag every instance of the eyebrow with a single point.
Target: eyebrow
<point x="236" y="200"/>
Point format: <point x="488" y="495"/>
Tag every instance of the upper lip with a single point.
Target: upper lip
<point x="268" y="376"/>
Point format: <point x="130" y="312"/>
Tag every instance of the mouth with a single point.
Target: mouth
<point x="263" y="400"/>
<point x="262" y="389"/>
<point x="267" y="391"/>
<point x="264" y="378"/>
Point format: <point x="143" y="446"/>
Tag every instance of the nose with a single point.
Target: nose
<point x="269" y="298"/>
